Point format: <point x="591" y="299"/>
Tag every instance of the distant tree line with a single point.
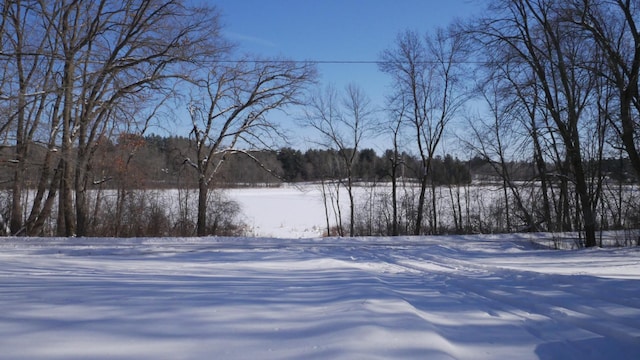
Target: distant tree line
<point x="136" y="169"/>
<point x="153" y="161"/>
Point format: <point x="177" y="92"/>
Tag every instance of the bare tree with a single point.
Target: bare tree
<point x="536" y="36"/>
<point x="77" y="69"/>
<point x="230" y="114"/>
<point x="139" y="47"/>
<point x="26" y="76"/>
<point x="343" y="123"/>
<point x="498" y="140"/>
<point x="395" y="159"/>
<point x="425" y="76"/>
<point x="614" y="29"/>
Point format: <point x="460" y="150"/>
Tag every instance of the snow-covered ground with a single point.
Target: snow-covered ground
<point x="475" y="297"/>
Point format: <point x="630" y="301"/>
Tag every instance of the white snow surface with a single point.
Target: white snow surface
<point x="282" y="212"/>
<point x="449" y="297"/>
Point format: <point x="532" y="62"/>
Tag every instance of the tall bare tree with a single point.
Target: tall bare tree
<point x="230" y="115"/>
<point x="343" y="123"/>
<point x="26" y="93"/>
<point x="132" y="48"/>
<point x="84" y="66"/>
<point x="497" y="138"/>
<point x="394" y="127"/>
<point x="425" y="76"/>
<point x="536" y="36"/>
<point x="613" y="25"/>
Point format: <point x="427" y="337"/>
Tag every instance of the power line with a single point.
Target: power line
<point x="336" y="62"/>
<point x="266" y="61"/>
<point x="347" y="62"/>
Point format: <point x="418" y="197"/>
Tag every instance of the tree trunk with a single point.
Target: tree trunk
<point x="16" y="224"/>
<point x="505" y="185"/>
<point x="434" y="216"/>
<point x="454" y="212"/>
<point x="394" y="196"/>
<point x="582" y="191"/>
<point x="36" y="227"/>
<point x="338" y="210"/>
<point x="326" y="206"/>
<point x="542" y="172"/>
<point x="421" y="202"/>
<point x="66" y="218"/>
<point x="459" y="208"/>
<point x="628" y="135"/>
<point x="81" y="213"/>
<point x="352" y="210"/>
<point x="203" y="195"/>
<point x="82" y="210"/>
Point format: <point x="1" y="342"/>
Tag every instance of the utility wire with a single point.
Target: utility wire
<point x="335" y="62"/>
<point x="266" y="61"/>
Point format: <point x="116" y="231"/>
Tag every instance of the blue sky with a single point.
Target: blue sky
<point x="336" y="30"/>
<point x="333" y="29"/>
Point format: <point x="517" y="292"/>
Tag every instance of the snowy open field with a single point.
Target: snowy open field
<point x="283" y="212"/>
<point x="477" y="297"/>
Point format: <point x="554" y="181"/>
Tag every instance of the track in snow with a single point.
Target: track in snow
<point x="448" y="297"/>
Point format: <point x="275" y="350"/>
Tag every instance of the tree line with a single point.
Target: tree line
<point x="139" y="171"/>
<point x="161" y="162"/>
<point x="548" y="88"/>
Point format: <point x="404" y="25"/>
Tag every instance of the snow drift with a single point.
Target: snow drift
<point x="474" y="297"/>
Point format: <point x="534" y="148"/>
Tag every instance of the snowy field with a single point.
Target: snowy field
<point x="283" y="212"/>
<point x="476" y="297"/>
